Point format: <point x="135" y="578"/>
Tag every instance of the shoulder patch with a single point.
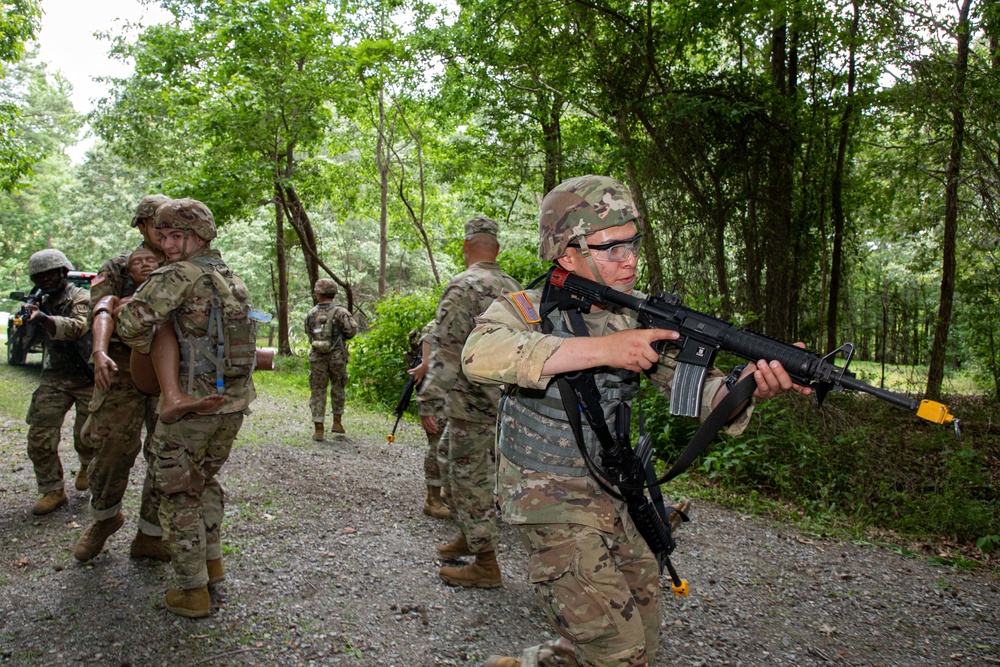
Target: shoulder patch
<point x="523" y="304"/>
<point x="98" y="279"/>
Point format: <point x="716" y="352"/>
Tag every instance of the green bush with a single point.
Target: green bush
<point x="855" y="457"/>
<point x="378" y="369"/>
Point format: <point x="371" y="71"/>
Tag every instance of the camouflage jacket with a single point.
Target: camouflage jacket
<point x="466" y="296"/>
<point x="181" y="291"/>
<point x="114" y="280"/>
<point x="63" y="363"/>
<point x="417" y="339"/>
<point x="505" y="348"/>
<point x="331" y="324"/>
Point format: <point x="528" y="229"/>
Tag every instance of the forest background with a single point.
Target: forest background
<point x="816" y="171"/>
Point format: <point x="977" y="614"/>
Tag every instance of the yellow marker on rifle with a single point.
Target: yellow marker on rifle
<point x="938" y="413"/>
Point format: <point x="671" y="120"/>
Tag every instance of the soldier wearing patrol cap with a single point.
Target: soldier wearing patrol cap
<point x="119" y="409"/>
<point x="207" y="305"/>
<point x="471" y="409"/>
<point x="66" y="379"/>
<point x="596" y="578"/>
<point x="328" y="327"/>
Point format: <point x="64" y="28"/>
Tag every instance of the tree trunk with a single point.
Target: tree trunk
<point x="552" y="145"/>
<point x="837" y="188"/>
<point x="778" y="233"/>
<point x="935" y="374"/>
<point x="382" y="163"/>
<point x="279" y="247"/>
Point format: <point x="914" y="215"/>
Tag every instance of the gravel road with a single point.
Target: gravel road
<point x="330" y="561"/>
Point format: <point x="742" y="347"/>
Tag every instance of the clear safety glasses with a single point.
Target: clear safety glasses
<point x="615" y="251"/>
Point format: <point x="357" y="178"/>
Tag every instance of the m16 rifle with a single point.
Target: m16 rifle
<point x="24" y="312"/>
<point x="703" y="336"/>
<point x="406" y="396"/>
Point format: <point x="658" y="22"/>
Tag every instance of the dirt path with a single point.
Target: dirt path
<point x="331" y="562"/>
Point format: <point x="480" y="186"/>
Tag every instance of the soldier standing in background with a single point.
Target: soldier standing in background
<point x="328" y="327"/>
<point x="436" y="458"/>
<point x="119" y="409"/>
<point x="471" y="408"/>
<point x="66" y="379"/>
<point x="205" y="302"/>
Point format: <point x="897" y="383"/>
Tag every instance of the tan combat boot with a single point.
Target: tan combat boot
<point x="318" y="433"/>
<point x="92" y="541"/>
<point x="500" y="661"/>
<point x="191" y="602"/>
<point x="50" y="502"/>
<point x="484" y="573"/>
<point x="434" y="506"/>
<point x="149" y="546"/>
<point x="216" y="571"/>
<point x="337" y="426"/>
<point x="82" y="482"/>
<point x="457" y="548"/>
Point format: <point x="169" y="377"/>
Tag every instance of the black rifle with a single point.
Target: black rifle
<point x="404" y="398"/>
<point x="30" y="299"/>
<point x="702" y="336"/>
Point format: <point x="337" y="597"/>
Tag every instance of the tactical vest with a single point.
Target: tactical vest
<point x="326" y="336"/>
<point x="66" y="356"/>
<point x="229" y="345"/>
<point x="535" y="432"/>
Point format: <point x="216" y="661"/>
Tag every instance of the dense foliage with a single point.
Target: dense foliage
<point x="818" y="172"/>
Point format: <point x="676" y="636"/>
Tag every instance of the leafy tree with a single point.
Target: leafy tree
<point x="19" y="21"/>
<point x="229" y="103"/>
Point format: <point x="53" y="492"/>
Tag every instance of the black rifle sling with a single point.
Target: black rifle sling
<point x="714" y="423"/>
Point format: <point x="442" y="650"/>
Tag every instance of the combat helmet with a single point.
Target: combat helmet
<point x="186" y="214"/>
<point x="46" y="260"/>
<point x="326" y="287"/>
<point x="147" y="207"/>
<point x="579" y="207"/>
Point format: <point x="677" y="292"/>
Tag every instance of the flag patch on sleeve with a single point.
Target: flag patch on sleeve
<point x="523" y="304"/>
<point x="98" y="279"/>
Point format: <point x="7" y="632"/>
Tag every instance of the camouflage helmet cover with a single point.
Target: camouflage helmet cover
<point x="147" y="207"/>
<point x="579" y="207"/>
<point x="326" y="287"/>
<point x="46" y="260"/>
<point x="186" y="214"/>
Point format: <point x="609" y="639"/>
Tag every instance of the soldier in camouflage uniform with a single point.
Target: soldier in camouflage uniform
<point x="201" y="298"/>
<point x="119" y="409"/>
<point x="595" y="576"/>
<point x="66" y="380"/>
<point x="471" y="409"/>
<point x="328" y="327"/>
<point x="436" y="458"/>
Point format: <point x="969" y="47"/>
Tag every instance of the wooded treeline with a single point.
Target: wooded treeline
<point x="817" y="171"/>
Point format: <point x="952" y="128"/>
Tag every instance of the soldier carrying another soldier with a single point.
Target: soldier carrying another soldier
<point x="208" y="307"/>
<point x="119" y="408"/>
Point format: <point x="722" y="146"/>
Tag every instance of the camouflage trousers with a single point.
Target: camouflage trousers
<point x="117" y="415"/>
<point x="327" y="369"/>
<point x="49" y="405"/>
<point x="472" y="470"/>
<point x="187" y="457"/>
<point x="436" y="457"/>
<point x="591" y="584"/>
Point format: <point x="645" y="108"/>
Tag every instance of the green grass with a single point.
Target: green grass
<point x="913" y="379"/>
